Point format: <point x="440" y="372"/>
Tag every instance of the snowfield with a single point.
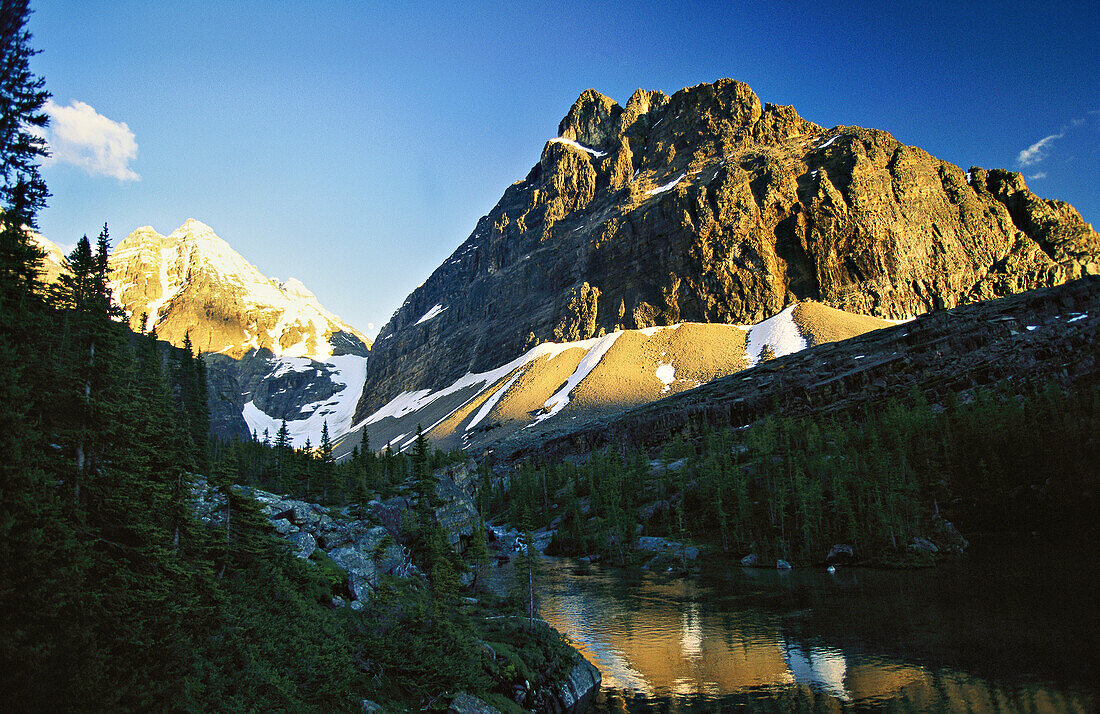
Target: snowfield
<point x="337" y="410"/>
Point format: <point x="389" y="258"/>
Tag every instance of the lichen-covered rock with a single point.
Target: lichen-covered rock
<point x="709" y="206"/>
<point x="464" y="703"/>
<point x="303" y="544"/>
<point x="361" y="569"/>
<point x="580" y="687"/>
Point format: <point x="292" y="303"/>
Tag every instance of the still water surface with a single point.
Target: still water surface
<point x="1013" y="628"/>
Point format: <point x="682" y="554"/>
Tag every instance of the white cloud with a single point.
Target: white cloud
<point x="81" y="136"/>
<point x="1040" y="175"/>
<point x="1037" y="151"/>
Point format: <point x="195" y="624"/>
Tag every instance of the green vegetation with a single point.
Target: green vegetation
<point x="791" y="488"/>
<point x="115" y="597"/>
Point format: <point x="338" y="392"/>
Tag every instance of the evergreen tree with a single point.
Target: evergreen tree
<point x="324" y="462"/>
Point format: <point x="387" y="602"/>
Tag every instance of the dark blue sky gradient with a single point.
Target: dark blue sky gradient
<point x="355" y="145"/>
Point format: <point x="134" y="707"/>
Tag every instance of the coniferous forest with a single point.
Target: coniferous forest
<point x="792" y="488"/>
<point x="114" y="595"/>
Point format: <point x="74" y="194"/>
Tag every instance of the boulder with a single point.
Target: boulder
<point x="923" y="544"/>
<point x="303" y="543"/>
<point x="296" y="512"/>
<point x="361" y="569"/>
<point x="840" y="553"/>
<point x="391" y="559"/>
<point x="371" y="540"/>
<point x="389" y="513"/>
<point x="663" y="546"/>
<point x="750" y="561"/>
<point x="579" y="688"/>
<point x="782" y="565"/>
<point x="370" y="707"/>
<point x="465" y="703"/>
<point x="282" y="526"/>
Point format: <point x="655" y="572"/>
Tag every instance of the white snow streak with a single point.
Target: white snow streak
<point x="829" y="142"/>
<point x="667" y="187"/>
<point x="430" y="314"/>
<point x="492" y="401"/>
<point x="575" y="145"/>
<point x="588" y="363"/>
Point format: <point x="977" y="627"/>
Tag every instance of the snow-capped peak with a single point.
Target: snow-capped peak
<point x="193" y="281"/>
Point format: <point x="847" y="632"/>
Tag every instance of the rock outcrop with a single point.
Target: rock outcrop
<point x="709" y="206"/>
<point x="365" y="541"/>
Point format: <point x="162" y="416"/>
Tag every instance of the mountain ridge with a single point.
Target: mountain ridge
<point x="709" y="206"/>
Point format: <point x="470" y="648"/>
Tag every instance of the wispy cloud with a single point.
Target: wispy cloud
<point x="1040" y="175"/>
<point x="1037" y="151"/>
<point x="81" y="136"/>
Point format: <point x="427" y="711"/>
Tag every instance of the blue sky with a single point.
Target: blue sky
<point x="354" y="145"/>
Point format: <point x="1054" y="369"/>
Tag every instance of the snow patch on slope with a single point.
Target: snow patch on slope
<point x="667" y="374"/>
<point x="667" y="187"/>
<point x="430" y="314"/>
<point x="337" y="410"/>
<point x="588" y="363"/>
<point x="492" y="401"/>
<point x="779" y="332"/>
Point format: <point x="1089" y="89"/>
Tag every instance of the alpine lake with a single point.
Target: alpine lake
<point x="1012" y="627"/>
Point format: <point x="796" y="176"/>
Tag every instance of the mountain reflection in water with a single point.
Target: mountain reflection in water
<point x="944" y="639"/>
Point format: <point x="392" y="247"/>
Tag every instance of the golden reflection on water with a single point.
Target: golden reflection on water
<point x="657" y="640"/>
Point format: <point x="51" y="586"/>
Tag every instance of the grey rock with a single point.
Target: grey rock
<point x="663" y="546"/>
<point x="282" y="526"/>
<point x="750" y="561"/>
<point x="361" y="569"/>
<point x="303" y="543"/>
<point x="840" y="553"/>
<point x="782" y="565"/>
<point x="579" y="688"/>
<point x="391" y="559"/>
<point x="370" y="707"/>
<point x="925" y="545"/>
<point x="371" y="541"/>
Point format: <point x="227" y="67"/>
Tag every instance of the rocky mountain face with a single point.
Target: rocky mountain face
<point x="54" y="260"/>
<point x="711" y="207"/>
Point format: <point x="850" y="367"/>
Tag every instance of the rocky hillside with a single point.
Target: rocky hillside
<point x="555" y="386"/>
<point x="1028" y="341"/>
<point x="54" y="259"/>
<point x="711" y="207"/>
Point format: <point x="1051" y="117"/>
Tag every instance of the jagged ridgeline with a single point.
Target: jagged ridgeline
<point x="711" y="207"/>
